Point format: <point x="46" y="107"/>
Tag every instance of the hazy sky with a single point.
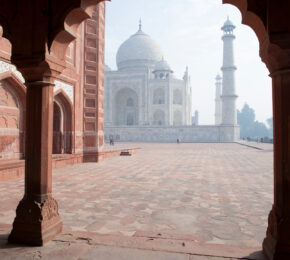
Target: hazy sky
<point x="189" y="33"/>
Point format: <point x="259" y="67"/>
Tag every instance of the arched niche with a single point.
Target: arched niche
<point x="62" y="124"/>
<point x="177" y="97"/>
<point x="159" y="118"/>
<point x="177" y="118"/>
<point x="159" y="96"/>
<point x="12" y="117"/>
<point x="126" y="108"/>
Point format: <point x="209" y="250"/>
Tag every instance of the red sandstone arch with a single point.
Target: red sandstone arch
<point x="17" y="90"/>
<point x="47" y="43"/>
<point x="274" y="52"/>
<point x="17" y="83"/>
<point x="71" y="16"/>
<point x="57" y="142"/>
<point x="40" y="56"/>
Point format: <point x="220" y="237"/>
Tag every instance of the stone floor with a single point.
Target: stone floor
<point x="90" y="246"/>
<point x="204" y="193"/>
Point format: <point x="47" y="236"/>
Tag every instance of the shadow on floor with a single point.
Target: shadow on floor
<point x="256" y="256"/>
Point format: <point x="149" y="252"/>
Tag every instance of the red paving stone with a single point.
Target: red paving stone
<point x="212" y="193"/>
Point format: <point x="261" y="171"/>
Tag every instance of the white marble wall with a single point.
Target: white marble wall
<point x="170" y="134"/>
<point x="144" y="85"/>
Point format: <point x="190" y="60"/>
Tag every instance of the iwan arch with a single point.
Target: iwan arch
<point x="41" y="60"/>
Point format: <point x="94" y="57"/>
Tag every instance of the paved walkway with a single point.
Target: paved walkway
<point x="207" y="193"/>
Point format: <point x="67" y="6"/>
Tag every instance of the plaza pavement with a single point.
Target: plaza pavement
<point x="202" y="193"/>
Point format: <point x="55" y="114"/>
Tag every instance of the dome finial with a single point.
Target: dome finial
<point x="140" y="25"/>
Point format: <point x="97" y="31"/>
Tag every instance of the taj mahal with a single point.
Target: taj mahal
<point x="144" y="101"/>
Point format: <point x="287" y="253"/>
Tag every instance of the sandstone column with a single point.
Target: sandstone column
<point x="37" y="219"/>
<point x="40" y="34"/>
<point x="277" y="243"/>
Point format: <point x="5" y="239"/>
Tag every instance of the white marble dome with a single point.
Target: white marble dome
<point x="140" y="50"/>
<point x="162" y="66"/>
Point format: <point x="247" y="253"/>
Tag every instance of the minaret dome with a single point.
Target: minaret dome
<point x="228" y="27"/>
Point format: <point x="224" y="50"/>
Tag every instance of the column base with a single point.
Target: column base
<point x="276" y="245"/>
<point x="35" y="223"/>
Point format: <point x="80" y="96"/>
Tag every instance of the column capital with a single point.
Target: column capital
<point x="38" y="70"/>
<point x="39" y="84"/>
<point x="280" y="72"/>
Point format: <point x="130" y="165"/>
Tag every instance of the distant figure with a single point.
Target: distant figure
<point x="111" y="140"/>
<point x="177" y="141"/>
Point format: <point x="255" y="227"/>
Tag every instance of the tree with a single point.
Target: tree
<point x="249" y="126"/>
<point x="260" y="129"/>
<point x="246" y="116"/>
<point x="270" y="124"/>
<point x="246" y="119"/>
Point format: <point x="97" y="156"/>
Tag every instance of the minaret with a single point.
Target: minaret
<point x="229" y="113"/>
<point x="218" y="101"/>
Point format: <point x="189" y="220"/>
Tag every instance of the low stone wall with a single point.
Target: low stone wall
<point x="171" y="134"/>
<point x="63" y="160"/>
<point x="13" y="169"/>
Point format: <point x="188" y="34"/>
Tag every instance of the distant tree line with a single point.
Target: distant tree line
<point x="252" y="129"/>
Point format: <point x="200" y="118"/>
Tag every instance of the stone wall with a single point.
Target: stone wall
<point x="79" y="95"/>
<point x="93" y="90"/>
<point x="170" y="134"/>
